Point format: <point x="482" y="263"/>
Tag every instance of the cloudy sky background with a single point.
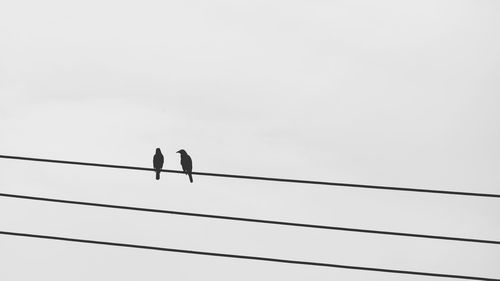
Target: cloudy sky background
<point x="386" y="92"/>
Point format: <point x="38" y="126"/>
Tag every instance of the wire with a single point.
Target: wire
<point x="380" y="187"/>
<point x="249" y="219"/>
<point x="245" y="257"/>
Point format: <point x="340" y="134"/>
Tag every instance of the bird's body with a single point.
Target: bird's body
<point x="158" y="162"/>
<point x="186" y="163"/>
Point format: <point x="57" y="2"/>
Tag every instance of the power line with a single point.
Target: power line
<point x="315" y="226"/>
<point x="379" y="187"/>
<point x="193" y="252"/>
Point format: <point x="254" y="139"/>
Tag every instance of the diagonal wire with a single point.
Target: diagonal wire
<point x="234" y="256"/>
<point x="293" y="224"/>
<point x="365" y="186"/>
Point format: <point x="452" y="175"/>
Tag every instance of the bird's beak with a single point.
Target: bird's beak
<point x="178" y="151"/>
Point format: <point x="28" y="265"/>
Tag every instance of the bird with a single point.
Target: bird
<point x="186" y="163"/>
<point x="158" y="162"/>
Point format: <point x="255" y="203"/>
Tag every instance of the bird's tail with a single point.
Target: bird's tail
<point x="157" y="175"/>
<point x="190" y="177"/>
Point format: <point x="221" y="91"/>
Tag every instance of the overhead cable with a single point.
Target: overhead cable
<point x="246" y="257"/>
<point x="352" y="185"/>
<point x="231" y="218"/>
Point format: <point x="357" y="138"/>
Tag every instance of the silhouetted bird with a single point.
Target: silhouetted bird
<point x="186" y="163"/>
<point x="158" y="162"/>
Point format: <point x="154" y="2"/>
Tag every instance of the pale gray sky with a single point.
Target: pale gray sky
<point x="387" y="92"/>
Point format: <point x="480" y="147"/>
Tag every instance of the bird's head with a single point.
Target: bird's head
<point x="158" y="150"/>
<point x="182" y="151"/>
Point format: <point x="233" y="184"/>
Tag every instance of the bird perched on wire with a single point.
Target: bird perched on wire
<point x="186" y="163"/>
<point x="158" y="162"/>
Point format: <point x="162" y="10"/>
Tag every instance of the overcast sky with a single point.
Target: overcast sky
<point x="376" y="92"/>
